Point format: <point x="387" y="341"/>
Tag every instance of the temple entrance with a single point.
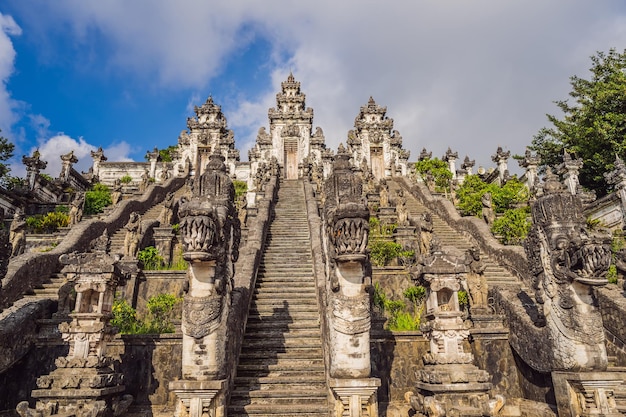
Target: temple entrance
<point x="291" y="159"/>
<point x="377" y="162"/>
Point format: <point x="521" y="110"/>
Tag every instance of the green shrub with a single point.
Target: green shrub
<point x="158" y="318"/>
<point x="241" y="187"/>
<point x="124" y="317"/>
<point x="470" y="195"/>
<point x="399" y="318"/>
<point x="513" y="226"/>
<point x="126" y="179"/>
<point x="611" y="274"/>
<point x="438" y="169"/>
<point x="62" y="209"/>
<point x="463" y="299"/>
<point x="160" y="313"/>
<point x="47" y="223"/>
<point x="97" y="199"/>
<point x="383" y="251"/>
<point x="150" y="258"/>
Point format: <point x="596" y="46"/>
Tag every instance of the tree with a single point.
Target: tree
<point x="6" y="152"/>
<point x="593" y="126"/>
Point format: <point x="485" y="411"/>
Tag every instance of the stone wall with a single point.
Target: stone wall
<point x="613" y="309"/>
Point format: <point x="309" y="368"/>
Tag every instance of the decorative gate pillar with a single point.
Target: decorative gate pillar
<point x="84" y="384"/>
<point x="450" y="384"/>
<point x="347" y="228"/>
<point x="210" y="237"/>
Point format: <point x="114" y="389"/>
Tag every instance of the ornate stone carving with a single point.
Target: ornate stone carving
<point x="567" y="261"/>
<point x="76" y="208"/>
<point x="84" y="382"/>
<point x="489" y="215"/>
<point x="17" y="233"/>
<point x="133" y="235"/>
<point x="347" y="228"/>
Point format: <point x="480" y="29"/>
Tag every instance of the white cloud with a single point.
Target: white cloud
<point x="8" y="105"/>
<point x="469" y="75"/>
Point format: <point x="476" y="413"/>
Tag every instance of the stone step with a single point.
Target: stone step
<point x="299" y="352"/>
<point x="275" y="334"/>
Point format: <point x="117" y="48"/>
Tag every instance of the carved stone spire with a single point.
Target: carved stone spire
<point x="33" y="165"/>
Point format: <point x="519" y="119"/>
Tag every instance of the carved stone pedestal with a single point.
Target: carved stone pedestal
<point x="355" y="397"/>
<point x="163" y="239"/>
<point x="199" y="398"/>
<point x="387" y="215"/>
<point x="587" y="394"/>
<point x="405" y="235"/>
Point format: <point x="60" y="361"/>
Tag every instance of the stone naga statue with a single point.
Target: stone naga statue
<point x="210" y="235"/>
<point x="347" y="229"/>
<point x="567" y="261"/>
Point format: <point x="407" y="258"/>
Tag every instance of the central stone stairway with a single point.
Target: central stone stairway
<point x="281" y="366"/>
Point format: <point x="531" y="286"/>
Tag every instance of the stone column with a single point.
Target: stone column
<point x="617" y="177"/>
<point x="98" y="157"/>
<point x="163" y="239"/>
<point x="67" y="161"/>
<point x="33" y="166"/>
<point x="451" y="157"/>
<point x="84" y="382"/>
<point x="349" y="316"/>
<point x="210" y="245"/>
<point x="570" y="168"/>
<point x="531" y="163"/>
<point x="439" y="386"/>
<point x="153" y="157"/>
<point x="501" y="157"/>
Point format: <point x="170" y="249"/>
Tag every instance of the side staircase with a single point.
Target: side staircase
<point x="281" y="365"/>
<point x="152" y="214"/>
<point x="495" y="274"/>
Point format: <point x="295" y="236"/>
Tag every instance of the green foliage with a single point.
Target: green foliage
<point x="438" y="169"/>
<point x="415" y="294"/>
<point x="241" y="187"/>
<point x="463" y="299"/>
<point x="160" y="313"/>
<point x="47" y="223"/>
<point x="6" y="152"/>
<point x="62" y="209"/>
<point x="611" y="274"/>
<point x="124" y="317"/>
<point x="513" y="226"/>
<point x="593" y="126"/>
<point x="158" y="318"/>
<point x="167" y="154"/>
<point x="399" y="318"/>
<point x="46" y="177"/>
<point x="97" y="199"/>
<point x="383" y="251"/>
<point x="126" y="179"/>
<point x="150" y="258"/>
<point x="176" y="227"/>
<point x="471" y="191"/>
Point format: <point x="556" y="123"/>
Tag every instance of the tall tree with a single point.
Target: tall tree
<point x="594" y="123"/>
<point x="6" y="152"/>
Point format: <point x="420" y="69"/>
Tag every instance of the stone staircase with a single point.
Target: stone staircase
<point x="49" y="289"/>
<point x="117" y="238"/>
<point x="281" y="365"/>
<point x="495" y="274"/>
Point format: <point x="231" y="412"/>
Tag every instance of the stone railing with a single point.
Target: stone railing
<point x="246" y="270"/>
<point x="319" y="268"/>
<point x="513" y="258"/>
<point x="28" y="271"/>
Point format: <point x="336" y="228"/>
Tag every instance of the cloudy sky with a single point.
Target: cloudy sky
<point x="125" y="75"/>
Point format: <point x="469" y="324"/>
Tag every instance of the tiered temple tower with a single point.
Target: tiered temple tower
<point x="374" y="143"/>
<point x="207" y="133"/>
<point x="290" y="139"/>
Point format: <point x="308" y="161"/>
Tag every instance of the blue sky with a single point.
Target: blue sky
<point x="125" y="75"/>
